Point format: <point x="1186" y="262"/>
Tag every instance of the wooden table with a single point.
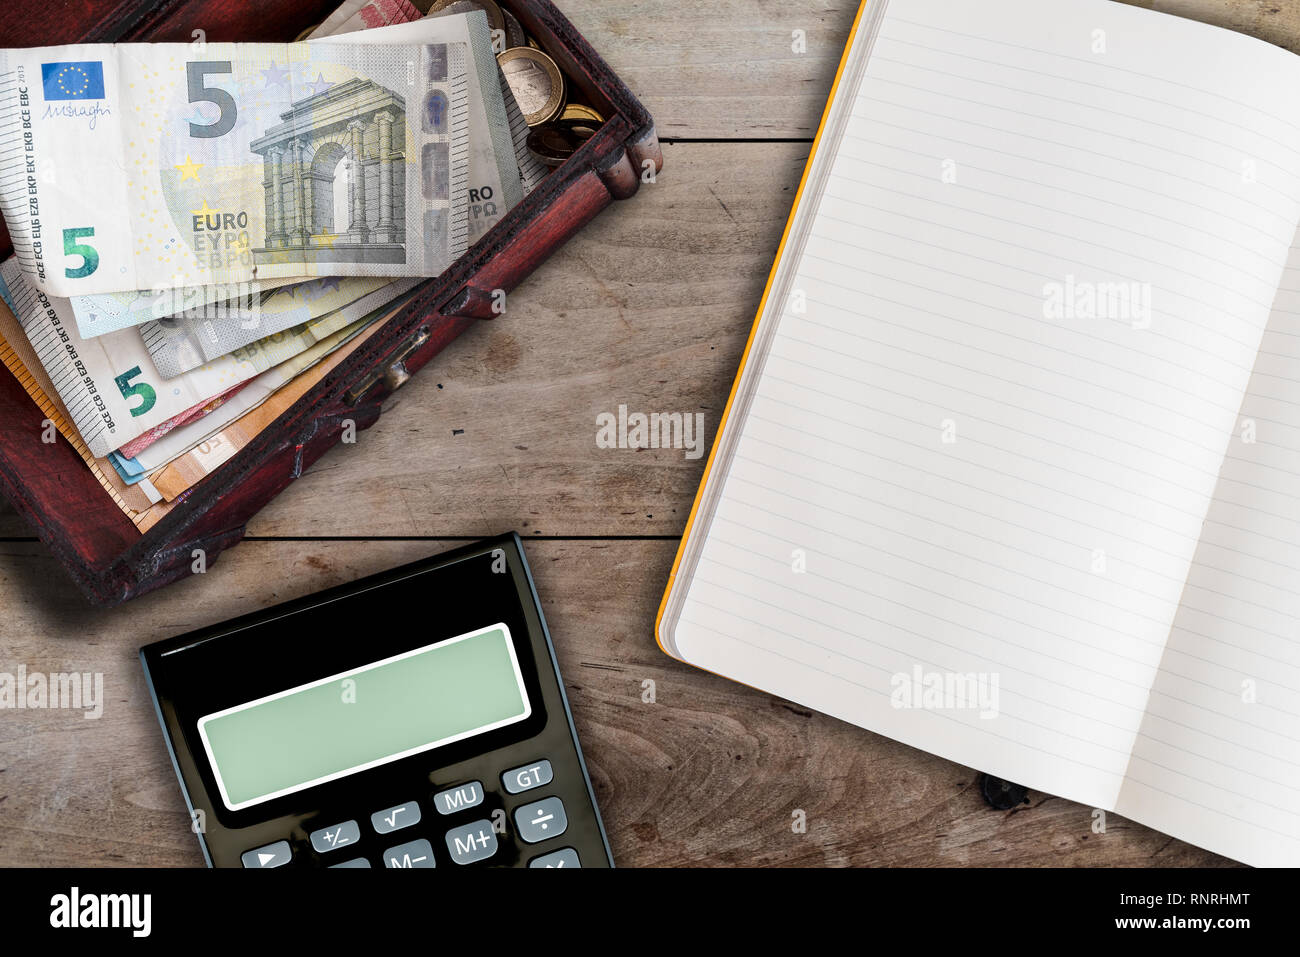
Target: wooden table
<point x="649" y="307"/>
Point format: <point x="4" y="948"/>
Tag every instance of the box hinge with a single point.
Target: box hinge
<point x="393" y="375"/>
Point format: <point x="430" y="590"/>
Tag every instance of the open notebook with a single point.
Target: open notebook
<point x="1021" y="413"/>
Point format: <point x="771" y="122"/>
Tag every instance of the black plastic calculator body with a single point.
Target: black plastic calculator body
<point x="415" y="718"/>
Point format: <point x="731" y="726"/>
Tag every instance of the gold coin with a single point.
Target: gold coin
<point x="535" y="81"/>
<point x="551" y="145"/>
<point x="556" y="142"/>
<point x="580" y="111"/>
<point x="303" y="36"/>
<point x="496" y="19"/>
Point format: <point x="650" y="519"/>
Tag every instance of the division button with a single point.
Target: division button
<point x="541" y="820"/>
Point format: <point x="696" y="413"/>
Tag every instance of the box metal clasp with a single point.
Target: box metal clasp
<point x="394" y="375"/>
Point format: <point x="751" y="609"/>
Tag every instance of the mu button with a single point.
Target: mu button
<point x="459" y="798"/>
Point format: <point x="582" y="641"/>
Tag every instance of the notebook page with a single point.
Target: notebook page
<point x="1217" y="761"/>
<point x="947" y="464"/>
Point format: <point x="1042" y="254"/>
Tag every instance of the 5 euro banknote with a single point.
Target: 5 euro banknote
<point x="145" y="166"/>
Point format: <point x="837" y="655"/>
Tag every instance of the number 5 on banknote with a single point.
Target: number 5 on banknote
<point x="148" y="394"/>
<point x="89" y="257"/>
<point x="199" y="93"/>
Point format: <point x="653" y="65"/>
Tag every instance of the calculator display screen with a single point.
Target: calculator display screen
<point x="365" y="717"/>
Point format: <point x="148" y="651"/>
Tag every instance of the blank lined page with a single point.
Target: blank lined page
<point x="1217" y="761"/>
<point x="947" y="462"/>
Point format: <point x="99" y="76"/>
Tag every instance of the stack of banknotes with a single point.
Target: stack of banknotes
<point x="203" y="231"/>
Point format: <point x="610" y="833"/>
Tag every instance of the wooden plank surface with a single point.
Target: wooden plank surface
<point x="711" y="772"/>
<point x="649" y="307"/>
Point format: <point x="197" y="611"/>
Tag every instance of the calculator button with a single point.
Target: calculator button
<point x="272" y="855"/>
<point x="472" y="842"/>
<point x="564" y="857"/>
<point x="541" y="820"/>
<point x="395" y="818"/>
<point x="332" y="838"/>
<point x="411" y="854"/>
<point x="458" y="798"/>
<point x="528" y="777"/>
<point x="355" y="862"/>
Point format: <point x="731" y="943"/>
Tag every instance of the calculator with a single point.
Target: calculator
<point x="412" y="719"/>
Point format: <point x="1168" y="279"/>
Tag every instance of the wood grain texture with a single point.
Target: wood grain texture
<point x="649" y="306"/>
<point x="711" y="772"/>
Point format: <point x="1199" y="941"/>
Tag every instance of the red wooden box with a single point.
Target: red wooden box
<point x="49" y="484"/>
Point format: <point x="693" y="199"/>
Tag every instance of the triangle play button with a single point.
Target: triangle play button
<point x="270" y="855"/>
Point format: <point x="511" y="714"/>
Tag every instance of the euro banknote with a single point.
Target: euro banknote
<point x="148" y="166"/>
<point x="110" y="385"/>
<point x="110" y="311"/>
<point x="502" y="170"/>
<point x="187" y="341"/>
<point x="495" y="186"/>
<point x="249" y="397"/>
<point x="179" y="460"/>
<point x="365" y="16"/>
<point x="17" y="355"/>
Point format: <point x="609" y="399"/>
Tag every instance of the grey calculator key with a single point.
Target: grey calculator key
<point x="332" y="838"/>
<point x="395" y="818"/>
<point x="272" y="855"/>
<point x="472" y="842"/>
<point x="411" y="854"/>
<point x="528" y="777"/>
<point x="355" y="862"/>
<point x="459" y="798"/>
<point x="564" y="857"/>
<point x="541" y="820"/>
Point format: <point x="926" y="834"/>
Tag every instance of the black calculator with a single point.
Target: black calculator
<point x="415" y="718"/>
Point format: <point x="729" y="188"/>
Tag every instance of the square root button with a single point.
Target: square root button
<point x="541" y="820"/>
<point x="395" y="818"/>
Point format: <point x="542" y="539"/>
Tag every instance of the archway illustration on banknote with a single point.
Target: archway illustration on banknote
<point x="334" y="179"/>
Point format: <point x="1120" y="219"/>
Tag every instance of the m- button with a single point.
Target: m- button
<point x="528" y="777"/>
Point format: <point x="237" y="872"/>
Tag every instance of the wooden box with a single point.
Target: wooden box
<point x="49" y="484"/>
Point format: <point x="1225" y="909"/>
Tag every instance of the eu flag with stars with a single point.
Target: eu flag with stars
<point x="73" y="81"/>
